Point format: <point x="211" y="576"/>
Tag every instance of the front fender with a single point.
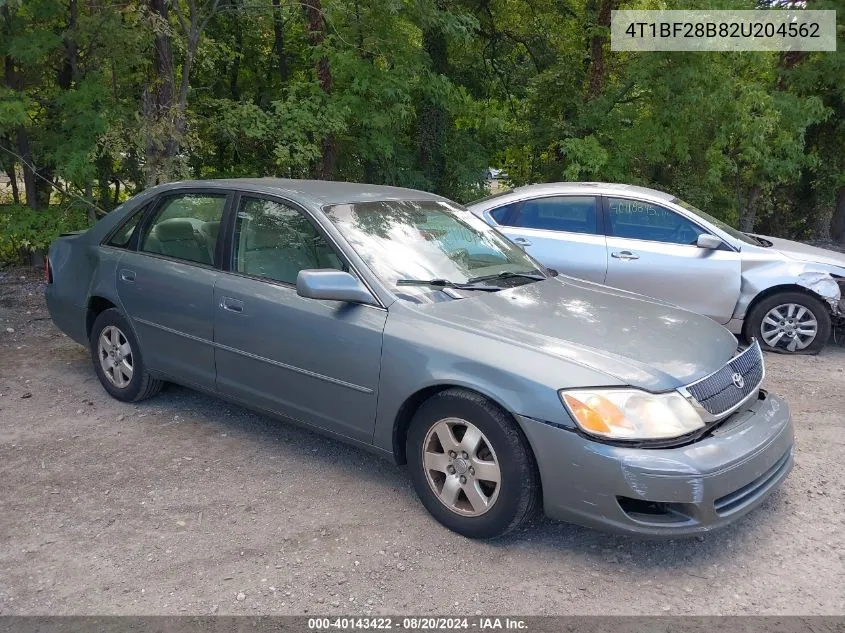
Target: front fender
<point x="820" y="279"/>
<point x="418" y="354"/>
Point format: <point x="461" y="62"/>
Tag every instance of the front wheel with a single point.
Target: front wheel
<point x="789" y="322"/>
<point x="471" y="465"/>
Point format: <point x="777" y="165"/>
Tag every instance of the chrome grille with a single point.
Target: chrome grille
<point x="718" y="394"/>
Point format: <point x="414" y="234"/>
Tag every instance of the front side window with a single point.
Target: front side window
<point x="186" y="228"/>
<point x="570" y="214"/>
<point x="274" y="241"/>
<point x="427" y="240"/>
<point x="638" y="220"/>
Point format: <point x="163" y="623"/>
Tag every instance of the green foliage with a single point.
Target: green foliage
<point x="23" y="230"/>
<point x="420" y="93"/>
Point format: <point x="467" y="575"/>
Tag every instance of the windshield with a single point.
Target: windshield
<point x="428" y="240"/>
<point x="727" y="228"/>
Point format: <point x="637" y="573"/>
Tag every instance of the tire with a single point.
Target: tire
<point x="509" y="503"/>
<point x="122" y="384"/>
<point x="813" y="309"/>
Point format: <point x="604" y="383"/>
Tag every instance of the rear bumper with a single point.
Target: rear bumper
<point x="666" y="492"/>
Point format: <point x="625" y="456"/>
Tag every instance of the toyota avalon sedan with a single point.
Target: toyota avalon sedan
<point x="398" y="321"/>
<point x="785" y="294"/>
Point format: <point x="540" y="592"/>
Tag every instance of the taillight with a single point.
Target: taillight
<point x="48" y="273"/>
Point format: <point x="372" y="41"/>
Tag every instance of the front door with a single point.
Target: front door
<point x="652" y="250"/>
<point x="167" y="286"/>
<point x="561" y="232"/>
<point x="313" y="361"/>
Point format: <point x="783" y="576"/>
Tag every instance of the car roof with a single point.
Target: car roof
<point x="597" y="188"/>
<point x="321" y="192"/>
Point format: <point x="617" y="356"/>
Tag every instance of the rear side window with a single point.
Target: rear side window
<point x="570" y="214"/>
<point x="638" y="220"/>
<point x="274" y="241"/>
<point x="123" y="236"/>
<point x="501" y="214"/>
<point x="186" y="228"/>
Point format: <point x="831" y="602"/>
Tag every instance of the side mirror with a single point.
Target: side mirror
<point x="710" y="242"/>
<point x="332" y="285"/>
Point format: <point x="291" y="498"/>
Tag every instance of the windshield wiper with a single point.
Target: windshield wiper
<point x="445" y="283"/>
<point x="535" y="275"/>
<point x="759" y="240"/>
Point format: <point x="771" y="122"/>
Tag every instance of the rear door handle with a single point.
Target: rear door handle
<point x="232" y="305"/>
<point x="624" y="255"/>
<point x="127" y="275"/>
<point x="522" y="241"/>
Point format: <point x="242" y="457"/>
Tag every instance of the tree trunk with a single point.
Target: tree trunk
<point x="316" y="36"/>
<point x="13" y="81"/>
<point x="837" y="222"/>
<point x="29" y="187"/>
<point x="89" y="197"/>
<point x="823" y="214"/>
<point x="68" y="72"/>
<point x="279" y="42"/>
<point x="13" y="180"/>
<point x="234" y="71"/>
<point x="748" y="213"/>
<point x="433" y="121"/>
<point x="598" y="70"/>
<point x="158" y="103"/>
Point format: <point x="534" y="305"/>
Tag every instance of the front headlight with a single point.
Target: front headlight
<point x="630" y="414"/>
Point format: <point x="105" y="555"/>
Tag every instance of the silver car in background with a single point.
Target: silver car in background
<point x="785" y="294"/>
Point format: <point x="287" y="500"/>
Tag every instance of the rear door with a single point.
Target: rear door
<point x="561" y="232"/>
<point x="653" y="252"/>
<point x="310" y="360"/>
<point x="166" y="286"/>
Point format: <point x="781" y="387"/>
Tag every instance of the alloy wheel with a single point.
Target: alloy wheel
<point x="115" y="355"/>
<point x="461" y="467"/>
<point x="790" y="326"/>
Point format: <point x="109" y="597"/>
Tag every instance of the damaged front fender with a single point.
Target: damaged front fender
<point x="763" y="271"/>
<point x="827" y="287"/>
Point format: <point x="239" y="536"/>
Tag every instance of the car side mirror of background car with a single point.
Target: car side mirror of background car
<point x="332" y="285"/>
<point x="710" y="242"/>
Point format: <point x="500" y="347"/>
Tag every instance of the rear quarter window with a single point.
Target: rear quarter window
<point x="123" y="236"/>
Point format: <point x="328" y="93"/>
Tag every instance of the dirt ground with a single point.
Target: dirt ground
<point x="185" y="504"/>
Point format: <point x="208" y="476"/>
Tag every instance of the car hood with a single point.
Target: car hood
<point x="806" y="253"/>
<point x="640" y="341"/>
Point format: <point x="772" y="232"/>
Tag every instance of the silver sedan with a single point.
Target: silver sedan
<point x="784" y="293"/>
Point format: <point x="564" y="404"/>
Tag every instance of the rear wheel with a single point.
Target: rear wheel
<point x="471" y="465"/>
<point x="789" y="322"/>
<point x="118" y="360"/>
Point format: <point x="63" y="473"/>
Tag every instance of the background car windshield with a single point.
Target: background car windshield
<point x="727" y="228"/>
<point x="426" y="240"/>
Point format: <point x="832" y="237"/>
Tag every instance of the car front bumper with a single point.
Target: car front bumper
<point x="666" y="492"/>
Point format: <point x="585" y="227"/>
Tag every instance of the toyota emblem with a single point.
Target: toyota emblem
<point x="738" y="380"/>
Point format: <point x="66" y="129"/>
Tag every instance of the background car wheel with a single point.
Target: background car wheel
<point x="118" y="361"/>
<point x="789" y="322"/>
<point x="471" y="465"/>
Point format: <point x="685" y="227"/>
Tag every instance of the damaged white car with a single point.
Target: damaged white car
<point x="786" y="294"/>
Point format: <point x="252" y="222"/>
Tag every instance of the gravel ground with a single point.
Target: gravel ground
<point x="185" y="504"/>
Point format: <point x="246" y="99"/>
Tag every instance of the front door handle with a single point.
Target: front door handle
<point x="232" y="305"/>
<point x="127" y="275"/>
<point x="627" y="255"/>
<point x="522" y="241"/>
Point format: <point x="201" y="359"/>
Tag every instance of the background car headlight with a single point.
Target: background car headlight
<point x="630" y="414"/>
